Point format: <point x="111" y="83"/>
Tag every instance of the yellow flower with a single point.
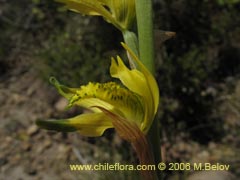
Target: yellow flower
<point x="121" y="13"/>
<point x="111" y="104"/>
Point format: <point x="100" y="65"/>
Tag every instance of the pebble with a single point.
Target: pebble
<point x="26" y="146"/>
<point x="40" y="149"/>
<point x="182" y="147"/>
<point x="14" y="160"/>
<point x="47" y="143"/>
<point x="61" y="104"/>
<point x="32" y="130"/>
<point x="30" y="170"/>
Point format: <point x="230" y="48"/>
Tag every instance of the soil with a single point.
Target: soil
<point x="30" y="153"/>
<point x="26" y="152"/>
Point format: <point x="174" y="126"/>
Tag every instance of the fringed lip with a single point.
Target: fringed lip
<point x="136" y="100"/>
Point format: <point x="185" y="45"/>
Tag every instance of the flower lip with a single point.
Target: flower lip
<point x="136" y="102"/>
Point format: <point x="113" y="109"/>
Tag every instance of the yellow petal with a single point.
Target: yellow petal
<point x="133" y="79"/>
<point x="141" y="82"/>
<point x="91" y="7"/>
<point x="91" y="125"/>
<point x="86" y="7"/>
<point x="152" y="84"/>
<point x="123" y="11"/>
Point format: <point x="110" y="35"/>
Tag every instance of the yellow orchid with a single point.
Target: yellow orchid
<point x="121" y="13"/>
<point x="111" y="104"/>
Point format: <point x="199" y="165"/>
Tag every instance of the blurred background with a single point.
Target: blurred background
<point x="198" y="72"/>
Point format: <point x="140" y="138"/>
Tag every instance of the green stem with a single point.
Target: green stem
<point x="146" y="49"/>
<point x="145" y="33"/>
<point x="131" y="40"/>
<point x="154" y="139"/>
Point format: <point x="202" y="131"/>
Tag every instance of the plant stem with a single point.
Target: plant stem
<point x="146" y="49"/>
<point x="131" y="40"/>
<point x="145" y="33"/>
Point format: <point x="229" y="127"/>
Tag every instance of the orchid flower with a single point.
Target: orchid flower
<point x="123" y="107"/>
<point x="121" y="13"/>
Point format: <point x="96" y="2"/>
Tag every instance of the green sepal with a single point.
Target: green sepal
<point x="56" y="125"/>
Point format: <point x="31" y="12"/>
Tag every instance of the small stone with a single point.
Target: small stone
<point x="61" y="104"/>
<point x="47" y="143"/>
<point x="117" y="141"/>
<point x="40" y="149"/>
<point x="212" y="146"/>
<point x="201" y="157"/>
<point x="182" y="147"/>
<point x="32" y="130"/>
<point x="30" y="170"/>
<point x="26" y="146"/>
<point x="6" y="143"/>
<point x="8" y="139"/>
<point x="63" y="151"/>
<point x="15" y="159"/>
